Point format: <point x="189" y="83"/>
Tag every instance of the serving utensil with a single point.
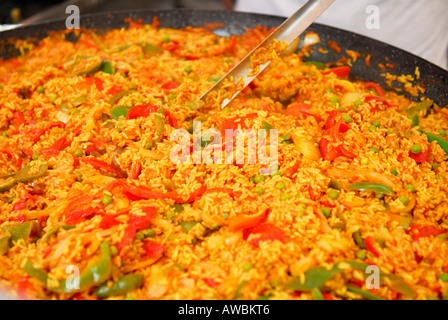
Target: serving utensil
<point x="287" y="32"/>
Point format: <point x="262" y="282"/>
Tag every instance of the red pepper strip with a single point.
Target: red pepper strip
<point x="232" y="43"/>
<point x="19" y="119"/>
<point x="108" y="222"/>
<point x="171" y="119"/>
<point x="139" y="193"/>
<point x="327" y="296"/>
<point x="338" y="71"/>
<point x="298" y="109"/>
<point x="89" y="44"/>
<point x="418" y="231"/>
<point x="46" y="252"/>
<point x="19" y="206"/>
<point x="114" y="90"/>
<point x="89" y="81"/>
<point x="61" y="144"/>
<point x="170" y="85"/>
<point x="136" y="168"/>
<point x="373" y="98"/>
<point x="141" y="111"/>
<point x="370" y="245"/>
<point x="78" y="216"/>
<point x="291" y="170"/>
<point x="375" y="86"/>
<point x="331" y="120"/>
<point x="210" y="282"/>
<point x="50" y="152"/>
<point x="242" y="222"/>
<point x="263" y="232"/>
<point x="400" y="156"/>
<point x="37" y="133"/>
<point x="135" y="224"/>
<point x="420" y="157"/>
<point x="153" y="249"/>
<point x="101" y="165"/>
<point x="171" y="47"/>
<point x="189" y="57"/>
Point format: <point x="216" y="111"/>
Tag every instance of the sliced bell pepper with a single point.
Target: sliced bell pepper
<point x="366" y="294"/>
<point x="372" y="186"/>
<point x="108" y="222"/>
<point x="118" y="111"/>
<point x="97" y="271"/>
<point x="418" y="231"/>
<point x="241" y="222"/>
<point x="124" y="285"/>
<point x="153" y="249"/>
<point x="4" y="244"/>
<point x="136" y="168"/>
<point x="421" y="156"/>
<point x="19" y="230"/>
<point x="371" y="245"/>
<point x="298" y="109"/>
<point x="140" y="111"/>
<point x="341" y="72"/>
<point x="169" y="85"/>
<point x="101" y="165"/>
<point x="263" y="232"/>
<point x="19" y="119"/>
<point x="118" y="96"/>
<point x="86" y="65"/>
<point x="440" y="141"/>
<point x="378" y="89"/>
<point x="107" y="67"/>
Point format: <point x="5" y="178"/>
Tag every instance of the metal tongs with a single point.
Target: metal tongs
<point x="287" y="32"/>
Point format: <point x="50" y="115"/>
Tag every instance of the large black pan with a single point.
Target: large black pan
<point x="434" y="78"/>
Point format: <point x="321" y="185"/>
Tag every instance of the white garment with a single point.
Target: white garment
<point x="417" y="26"/>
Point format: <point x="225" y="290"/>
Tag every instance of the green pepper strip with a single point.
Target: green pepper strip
<point x="266" y="125"/>
<point x="317" y="276"/>
<point x="150" y="49"/>
<point x="78" y="101"/>
<point x="41" y="275"/>
<point x="24" y="176"/>
<point x="365" y="294"/>
<point x="187" y="225"/>
<point x="7" y="184"/>
<point x="96" y="272"/>
<point x="359" y="240"/>
<point x="415" y="120"/>
<point x="108" y="67"/>
<point x="160" y="121"/>
<point x="372" y="186"/>
<point x="125" y="284"/>
<point x="4" y="245"/>
<point x="118" y="96"/>
<point x="318" y="64"/>
<point x="55" y="230"/>
<point x="19" y="230"/>
<point x="317" y="294"/>
<point x="21" y="176"/>
<point x="440" y="141"/>
<point x="91" y="65"/>
<point x="420" y="106"/>
<point x="118" y="111"/>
